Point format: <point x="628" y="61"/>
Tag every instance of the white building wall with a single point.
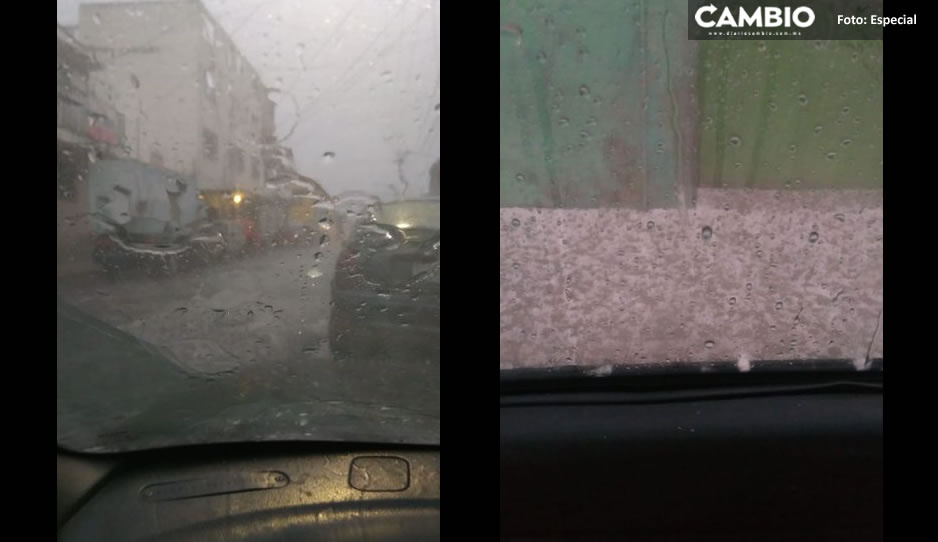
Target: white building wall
<point x="174" y="74"/>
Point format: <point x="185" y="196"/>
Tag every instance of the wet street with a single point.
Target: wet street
<point x="267" y="307"/>
<point x="240" y="343"/>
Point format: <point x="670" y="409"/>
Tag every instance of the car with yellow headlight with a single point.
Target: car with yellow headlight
<point x="386" y="289"/>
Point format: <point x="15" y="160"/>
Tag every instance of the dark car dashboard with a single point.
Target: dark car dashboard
<point x="251" y="493"/>
<point x="728" y="456"/>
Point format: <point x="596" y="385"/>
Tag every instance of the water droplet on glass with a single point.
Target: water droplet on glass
<point x="831" y="155"/>
<point x="651" y="225"/>
<point x="584" y="90"/>
<point x="813" y="237"/>
<point x="515" y="222"/>
<point x="708" y="344"/>
<point x="818" y="128"/>
<point x="564" y="121"/>
<point x="706" y="233"/>
<point x="732" y="301"/>
<point x="519" y="177"/>
<point x="802" y="99"/>
<point x="846" y="142"/>
<point x="778" y="305"/>
<point x="735" y="141"/>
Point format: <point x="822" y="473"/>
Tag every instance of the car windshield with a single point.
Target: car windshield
<point x="670" y="203"/>
<point x="220" y="165"/>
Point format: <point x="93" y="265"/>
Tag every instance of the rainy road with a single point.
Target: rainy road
<point x="251" y="339"/>
<point x="264" y="308"/>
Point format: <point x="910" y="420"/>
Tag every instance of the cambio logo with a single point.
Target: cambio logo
<point x="769" y="17"/>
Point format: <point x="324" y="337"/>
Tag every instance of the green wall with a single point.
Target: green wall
<point x="792" y="114"/>
<point x="597" y="103"/>
<point x="606" y="103"/>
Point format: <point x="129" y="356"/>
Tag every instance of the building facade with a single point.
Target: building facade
<point x="192" y="103"/>
<point x="87" y="129"/>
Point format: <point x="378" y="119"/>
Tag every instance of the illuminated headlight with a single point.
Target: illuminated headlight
<point x="403" y="225"/>
<point x="237" y="198"/>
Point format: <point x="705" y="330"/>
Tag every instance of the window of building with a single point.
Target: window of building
<point x="209" y="145"/>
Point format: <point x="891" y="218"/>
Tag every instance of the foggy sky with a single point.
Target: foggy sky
<point x="365" y="75"/>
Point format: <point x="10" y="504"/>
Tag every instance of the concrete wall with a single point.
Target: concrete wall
<point x="780" y="275"/>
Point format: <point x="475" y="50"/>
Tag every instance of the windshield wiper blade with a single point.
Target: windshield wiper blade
<point x="579" y="397"/>
<point x="670" y="382"/>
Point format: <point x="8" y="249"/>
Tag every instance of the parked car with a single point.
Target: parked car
<point x="143" y="216"/>
<point x="386" y="289"/>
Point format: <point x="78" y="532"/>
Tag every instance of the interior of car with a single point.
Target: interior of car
<point x="251" y="492"/>
<point x="696" y="453"/>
